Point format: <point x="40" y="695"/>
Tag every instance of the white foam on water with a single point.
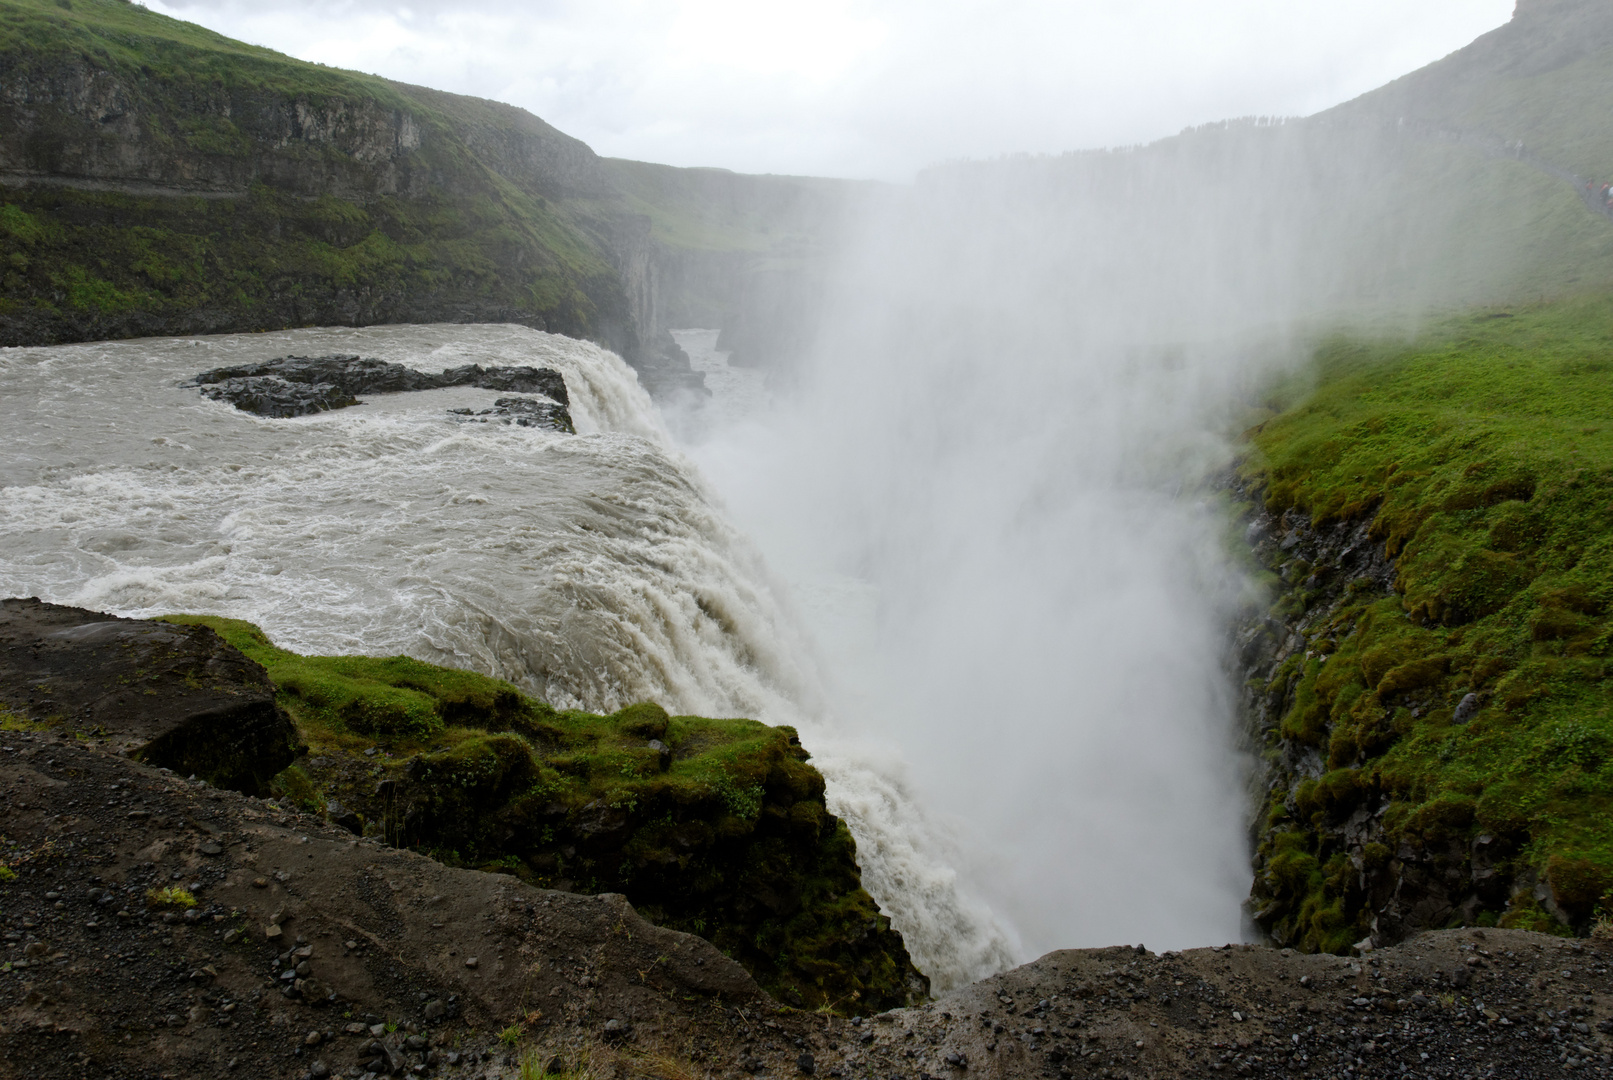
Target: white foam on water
<point x="594" y="570"/>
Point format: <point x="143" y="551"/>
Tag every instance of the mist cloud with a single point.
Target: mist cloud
<point x="878" y="88"/>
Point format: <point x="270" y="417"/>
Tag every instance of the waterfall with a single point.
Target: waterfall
<point x="593" y="570"/>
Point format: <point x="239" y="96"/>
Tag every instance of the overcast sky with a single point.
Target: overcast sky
<point x="877" y="88"/>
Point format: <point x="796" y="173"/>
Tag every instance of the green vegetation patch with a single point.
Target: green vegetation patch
<point x="1482" y="452"/>
<point x="715" y="827"/>
<point x="423" y="227"/>
<point x="91" y="264"/>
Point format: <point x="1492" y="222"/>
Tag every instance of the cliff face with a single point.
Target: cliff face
<point x="1376" y="887"/>
<point x="164" y="180"/>
<point x="69" y="119"/>
<point x="156" y="178"/>
<point x="750" y="255"/>
<point x="1430" y="689"/>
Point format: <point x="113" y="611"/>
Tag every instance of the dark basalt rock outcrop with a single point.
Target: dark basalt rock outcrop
<point x="711" y="826"/>
<point x="522" y="412"/>
<point x="752" y="860"/>
<point x="179" y="697"/>
<point x="300" y="385"/>
<point x="665" y="371"/>
<point x="1386" y="885"/>
<point x="1326" y="567"/>
<point x="268" y="395"/>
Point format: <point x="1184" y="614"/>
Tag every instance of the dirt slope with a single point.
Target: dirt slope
<point x="97" y="981"/>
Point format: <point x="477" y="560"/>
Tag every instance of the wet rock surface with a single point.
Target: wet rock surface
<point x="666" y="372"/>
<point x="522" y="412"/>
<point x="1396" y="885"/>
<point x="175" y="696"/>
<point x="300" y="385"/>
<point x="1327" y="568"/>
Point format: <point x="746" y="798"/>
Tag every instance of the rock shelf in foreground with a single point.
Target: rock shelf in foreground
<point x="175" y="696"/>
<point x="309" y="952"/>
<point x="710" y="826"/>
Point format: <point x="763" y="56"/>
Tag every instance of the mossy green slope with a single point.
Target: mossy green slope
<point x="719" y="829"/>
<point x="1482" y="454"/>
<point x="320" y="195"/>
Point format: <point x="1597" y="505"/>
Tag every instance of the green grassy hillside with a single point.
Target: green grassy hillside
<point x="1473" y="212"/>
<point x="1482" y="455"/>
<point x="165" y="179"/>
<point x="1544" y="79"/>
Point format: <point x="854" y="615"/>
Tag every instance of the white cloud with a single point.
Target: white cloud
<point x="871" y="88"/>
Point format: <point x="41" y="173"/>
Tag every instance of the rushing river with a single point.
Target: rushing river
<point x="594" y="570"/>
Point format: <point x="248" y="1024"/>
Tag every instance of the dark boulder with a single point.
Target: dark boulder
<point x="665" y="370"/>
<point x="522" y="412"/>
<point x="179" y="697"/>
<point x="268" y="396"/>
<point x="300" y="385"/>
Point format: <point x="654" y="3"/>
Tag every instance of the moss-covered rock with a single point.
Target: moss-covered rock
<point x="1431" y="687"/>
<point x="716" y="827"/>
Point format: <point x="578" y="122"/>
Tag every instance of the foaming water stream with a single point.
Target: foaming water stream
<point x="595" y="570"/>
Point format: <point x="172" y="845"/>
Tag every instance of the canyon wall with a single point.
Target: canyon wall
<point x="159" y="179"/>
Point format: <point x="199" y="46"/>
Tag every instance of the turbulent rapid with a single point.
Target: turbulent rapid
<point x="594" y="570"/>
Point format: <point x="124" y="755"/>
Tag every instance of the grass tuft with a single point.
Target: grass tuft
<point x="172" y="896"/>
<point x="722" y="832"/>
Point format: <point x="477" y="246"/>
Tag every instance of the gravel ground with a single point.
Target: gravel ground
<point x="1453" y="1003"/>
<point x="311" y="953"/>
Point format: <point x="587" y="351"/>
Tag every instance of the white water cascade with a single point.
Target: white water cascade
<point x="994" y="486"/>
<point x="595" y="570"/>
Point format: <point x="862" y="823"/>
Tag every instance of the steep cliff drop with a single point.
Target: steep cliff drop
<point x="593" y="570"/>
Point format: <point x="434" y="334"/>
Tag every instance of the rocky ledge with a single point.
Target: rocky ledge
<point x="715" y="827"/>
<point x="175" y="696"/>
<point x="156" y="926"/>
<point x="301" y="385"/>
<point x="1446" y="1004"/>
